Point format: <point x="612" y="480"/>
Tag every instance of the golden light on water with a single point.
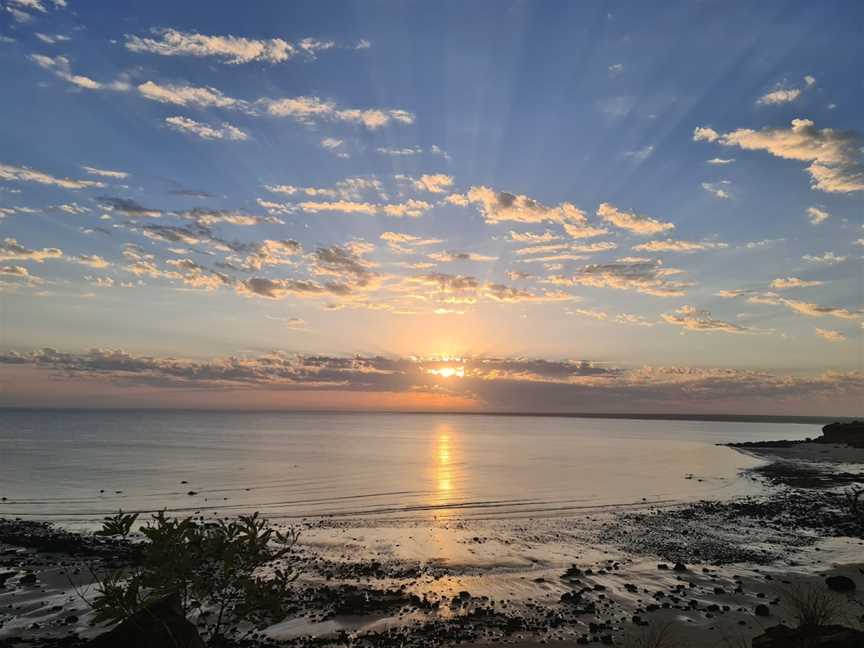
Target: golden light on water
<point x="443" y="458"/>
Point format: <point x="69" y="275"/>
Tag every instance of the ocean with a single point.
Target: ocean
<point x="74" y="467"/>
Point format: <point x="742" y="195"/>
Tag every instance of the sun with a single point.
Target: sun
<point x="448" y="372"/>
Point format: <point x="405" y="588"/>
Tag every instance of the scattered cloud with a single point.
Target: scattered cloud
<point x="829" y="258"/>
<point x="106" y="173"/>
<point x="793" y="282"/>
<point x="11" y="250"/>
<point x="224" y="132"/>
<point x="60" y="66"/>
<point x="782" y="95"/>
<point x="25" y="174"/>
<point x="693" y="319"/>
<point x="717" y="189"/>
<point x="670" y="245"/>
<point x="434" y="182"/>
<point x="817" y="216"/>
<point x="831" y="336"/>
<point x="647" y="277"/>
<point x="641" y="225"/>
<point x="835" y="157"/>
<point x="721" y="161"/>
<point x="228" y="49"/>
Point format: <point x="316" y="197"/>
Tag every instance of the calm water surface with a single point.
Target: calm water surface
<point x="68" y="466"/>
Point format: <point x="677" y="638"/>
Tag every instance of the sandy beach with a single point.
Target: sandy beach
<point x="719" y="573"/>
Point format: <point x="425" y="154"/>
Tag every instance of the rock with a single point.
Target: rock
<point x="762" y="610"/>
<point x="840" y="584"/>
<point x="679" y="567"/>
<point x="832" y="636"/>
<point x="851" y="434"/>
<point x="160" y="624"/>
<point x="27" y="579"/>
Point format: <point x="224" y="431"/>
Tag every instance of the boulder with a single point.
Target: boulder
<point x="160" y="624"/>
<point x="832" y="636"/>
<point x="762" y="610"/>
<point x="851" y="434"/>
<point x="840" y="584"/>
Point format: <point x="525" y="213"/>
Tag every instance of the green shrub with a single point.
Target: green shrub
<point x="226" y="573"/>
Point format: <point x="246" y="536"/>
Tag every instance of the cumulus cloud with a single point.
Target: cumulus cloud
<point x="434" y="182"/>
<point x="530" y="237"/>
<point x="642" y="225"/>
<point x="670" y="245"/>
<point x="501" y="206"/>
<point x="406" y="243"/>
<point x="229" y="49"/>
<point x="91" y="261"/>
<point x="817" y="216"/>
<point x="11" y="250"/>
<point x="224" y="132"/>
<point x="831" y="336"/>
<point x="451" y="256"/>
<point x="793" y="282"/>
<point x="24" y="174"/>
<point x="835" y="157"/>
<point x="693" y="319"/>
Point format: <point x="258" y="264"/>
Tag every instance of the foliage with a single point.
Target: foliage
<point x="226" y="572"/>
<point x="118" y="525"/>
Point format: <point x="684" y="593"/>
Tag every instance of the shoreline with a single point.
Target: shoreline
<point x="717" y="418"/>
<point x="592" y="578"/>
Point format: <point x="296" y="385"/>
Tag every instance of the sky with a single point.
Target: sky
<point x="502" y="206"/>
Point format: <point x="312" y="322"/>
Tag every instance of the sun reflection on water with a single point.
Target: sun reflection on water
<point x="443" y="457"/>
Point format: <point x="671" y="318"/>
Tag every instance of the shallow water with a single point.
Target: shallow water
<point x="75" y="467"/>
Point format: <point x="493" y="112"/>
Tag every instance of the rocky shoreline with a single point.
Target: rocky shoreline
<point x="720" y="571"/>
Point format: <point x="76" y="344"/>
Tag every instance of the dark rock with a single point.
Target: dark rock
<point x="27" y="579"/>
<point x="832" y="636"/>
<point x="680" y="567"/>
<point x="851" y="434"/>
<point x="762" y="610"/>
<point x="840" y="584"/>
<point x="160" y="624"/>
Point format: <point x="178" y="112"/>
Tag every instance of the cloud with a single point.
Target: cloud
<point x="781" y="95"/>
<point x="793" y="282"/>
<point x="831" y="336"/>
<point x="91" y="261"/>
<point x="834" y="156"/>
<point x="801" y="307"/>
<point x="642" y="225"/>
<point x="633" y="320"/>
<point x="310" y="109"/>
<point x="182" y="95"/>
<point x="61" y="67"/>
<point x="500" y="206"/>
<point x="451" y="256"/>
<point x="434" y="183"/>
<point x="817" y="216"/>
<point x="226" y="131"/>
<point x="105" y="173"/>
<point x="716" y="189"/>
<point x="829" y="258"/>
<point x="281" y="288"/>
<point x="670" y="245"/>
<point x="721" y="161"/>
<point x="410" y="208"/>
<point x="530" y="237"/>
<point x="693" y="319"/>
<point x="593" y="313"/>
<point x="128" y="207"/>
<point x="335" y="146"/>
<point x="11" y="250"/>
<point x="640" y="155"/>
<point x="404" y="243"/>
<point x="493" y="383"/>
<point x="25" y="174"/>
<point x="229" y="49"/>
<point x="647" y="277"/>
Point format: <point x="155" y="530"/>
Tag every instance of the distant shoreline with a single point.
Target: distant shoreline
<point x="720" y="418"/>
